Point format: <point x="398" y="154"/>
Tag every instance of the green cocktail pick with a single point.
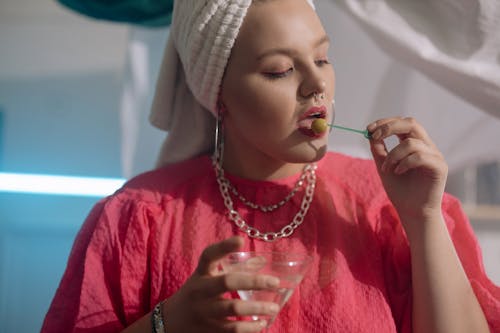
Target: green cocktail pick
<point x="320" y="125"/>
<point x="365" y="133"/>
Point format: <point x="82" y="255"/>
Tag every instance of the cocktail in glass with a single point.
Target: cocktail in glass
<point x="290" y="268"/>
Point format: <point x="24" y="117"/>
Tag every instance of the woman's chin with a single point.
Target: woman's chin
<point x="318" y="154"/>
<point x="309" y="152"/>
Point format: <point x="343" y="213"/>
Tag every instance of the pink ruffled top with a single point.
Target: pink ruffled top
<point x="138" y="246"/>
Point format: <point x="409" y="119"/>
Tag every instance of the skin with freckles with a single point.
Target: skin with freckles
<point x="270" y="82"/>
<point x="277" y="65"/>
<point x="415" y="163"/>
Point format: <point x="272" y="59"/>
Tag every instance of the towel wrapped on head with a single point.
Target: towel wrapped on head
<point x="201" y="37"/>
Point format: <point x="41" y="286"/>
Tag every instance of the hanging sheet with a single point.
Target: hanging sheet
<point x="456" y="43"/>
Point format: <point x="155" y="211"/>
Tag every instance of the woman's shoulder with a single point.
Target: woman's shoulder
<point x="154" y="185"/>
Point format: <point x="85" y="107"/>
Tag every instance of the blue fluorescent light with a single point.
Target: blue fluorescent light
<point x="59" y="185"/>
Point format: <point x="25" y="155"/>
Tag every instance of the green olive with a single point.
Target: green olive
<point x="319" y="126"/>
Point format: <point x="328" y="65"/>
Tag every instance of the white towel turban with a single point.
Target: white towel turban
<point x="201" y="37"/>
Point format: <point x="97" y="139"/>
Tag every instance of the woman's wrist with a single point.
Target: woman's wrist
<point x="415" y="226"/>
<point x="425" y="229"/>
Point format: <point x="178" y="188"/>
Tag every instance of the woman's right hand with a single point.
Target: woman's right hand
<point x="198" y="306"/>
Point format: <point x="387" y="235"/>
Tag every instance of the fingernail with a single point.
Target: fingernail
<point x="399" y="170"/>
<point x="376" y="135"/>
<point x="384" y="167"/>
<point x="273" y="282"/>
<point x="371" y="126"/>
<point x="274" y="308"/>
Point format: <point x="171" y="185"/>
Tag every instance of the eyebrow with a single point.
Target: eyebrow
<point x="287" y="51"/>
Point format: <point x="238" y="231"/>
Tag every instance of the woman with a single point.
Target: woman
<point x="383" y="261"/>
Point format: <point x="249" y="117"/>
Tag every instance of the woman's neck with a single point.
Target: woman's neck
<point x="259" y="167"/>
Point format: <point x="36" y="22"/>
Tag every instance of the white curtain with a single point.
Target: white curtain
<point x="454" y="42"/>
<point x="441" y="65"/>
<point x="141" y="141"/>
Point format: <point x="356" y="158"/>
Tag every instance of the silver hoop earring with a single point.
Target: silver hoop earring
<point x="334" y="113"/>
<point x="219" y="138"/>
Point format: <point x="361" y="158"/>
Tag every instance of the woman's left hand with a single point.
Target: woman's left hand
<point x="414" y="172"/>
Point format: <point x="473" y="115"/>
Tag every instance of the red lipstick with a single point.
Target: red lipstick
<point x="314" y="112"/>
<point x="306" y="119"/>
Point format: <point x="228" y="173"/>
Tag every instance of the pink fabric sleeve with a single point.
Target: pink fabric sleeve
<point x="104" y="287"/>
<point x="397" y="264"/>
<point x="396" y="261"/>
<point x="469" y="252"/>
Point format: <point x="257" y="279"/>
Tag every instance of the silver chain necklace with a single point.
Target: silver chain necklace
<point x="268" y="208"/>
<point x="309" y="174"/>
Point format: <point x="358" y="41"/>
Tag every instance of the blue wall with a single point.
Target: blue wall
<point x="36" y="234"/>
<point x="65" y="125"/>
<point x="62" y="125"/>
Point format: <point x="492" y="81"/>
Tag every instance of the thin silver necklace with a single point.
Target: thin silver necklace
<point x="263" y="208"/>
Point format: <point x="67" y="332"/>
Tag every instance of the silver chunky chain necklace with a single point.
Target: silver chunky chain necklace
<point x="225" y="186"/>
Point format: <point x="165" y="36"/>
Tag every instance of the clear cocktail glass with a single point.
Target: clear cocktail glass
<point x="290" y="268"/>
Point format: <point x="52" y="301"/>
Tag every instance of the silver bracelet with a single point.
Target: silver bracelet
<point x="157" y="319"/>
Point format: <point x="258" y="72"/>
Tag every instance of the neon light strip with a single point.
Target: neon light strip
<point x="59" y="185"/>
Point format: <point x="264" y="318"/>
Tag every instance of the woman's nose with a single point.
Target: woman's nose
<point x="314" y="88"/>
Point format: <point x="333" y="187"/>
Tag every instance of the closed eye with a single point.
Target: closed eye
<point x="278" y="75"/>
<point x="322" y="62"/>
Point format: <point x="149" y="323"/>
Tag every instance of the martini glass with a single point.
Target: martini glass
<point x="290" y="268"/>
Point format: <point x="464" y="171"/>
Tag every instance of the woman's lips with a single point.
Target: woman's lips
<point x="314" y="112"/>
<point x="305" y="121"/>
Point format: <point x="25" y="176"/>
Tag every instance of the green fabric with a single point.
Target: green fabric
<point x="152" y="13"/>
